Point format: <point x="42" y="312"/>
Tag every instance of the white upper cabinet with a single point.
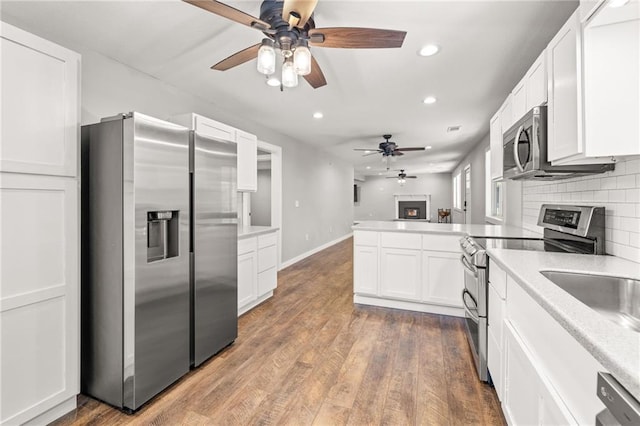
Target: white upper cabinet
<point x="611" y="70"/>
<point x="519" y="100"/>
<point x="536" y="82"/>
<point x="247" y="161"/>
<point x="495" y="141"/>
<point x="564" y="81"/>
<point x="40" y="105"/>
<point x="247" y="145"/>
<point x="506" y="114"/>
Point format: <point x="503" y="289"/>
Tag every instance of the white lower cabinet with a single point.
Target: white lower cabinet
<point x="443" y="278"/>
<point x="365" y="270"/>
<point x="257" y="270"/>
<point x="542" y="374"/>
<point x="400" y="273"/>
<point x="420" y="272"/>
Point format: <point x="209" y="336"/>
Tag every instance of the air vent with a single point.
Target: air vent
<point x="453" y="128"/>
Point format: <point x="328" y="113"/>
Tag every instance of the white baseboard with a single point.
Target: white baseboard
<point x="408" y="305"/>
<point x="54" y="413"/>
<point x="298" y="258"/>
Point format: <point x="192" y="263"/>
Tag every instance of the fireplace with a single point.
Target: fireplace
<point x="413" y="206"/>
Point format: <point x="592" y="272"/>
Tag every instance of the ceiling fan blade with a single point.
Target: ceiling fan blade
<point x="420" y="148"/>
<point x="371" y="153"/>
<point x="411" y="177"/>
<point x="231" y="13"/>
<point x="238" y="58"/>
<point x="303" y="8"/>
<point x="356" y="38"/>
<point x="367" y="149"/>
<point x="315" y="78"/>
<point x="396" y="152"/>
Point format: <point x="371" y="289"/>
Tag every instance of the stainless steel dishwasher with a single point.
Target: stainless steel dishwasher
<point x="622" y="409"/>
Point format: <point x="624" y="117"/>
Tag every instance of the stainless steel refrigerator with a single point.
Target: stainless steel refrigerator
<point x="214" y="236"/>
<point x="142" y="311"/>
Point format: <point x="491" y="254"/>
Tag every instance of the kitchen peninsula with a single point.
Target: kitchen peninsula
<point x="415" y="265"/>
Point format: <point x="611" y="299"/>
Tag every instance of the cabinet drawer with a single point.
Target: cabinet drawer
<point x="437" y="242"/>
<point x="267" y="240"/>
<point x="267" y="258"/>
<point x="247" y="245"/>
<point x="400" y="240"/>
<point x="365" y="238"/>
<point x="496" y="314"/>
<point x="267" y="281"/>
<point x="498" y="279"/>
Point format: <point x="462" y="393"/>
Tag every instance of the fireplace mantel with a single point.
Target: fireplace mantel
<point x="412" y="197"/>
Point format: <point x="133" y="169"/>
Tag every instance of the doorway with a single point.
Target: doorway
<point x="466" y="202"/>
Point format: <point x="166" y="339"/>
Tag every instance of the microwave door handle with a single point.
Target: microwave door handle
<point x="516" y="155"/>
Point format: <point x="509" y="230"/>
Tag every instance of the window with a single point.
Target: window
<point x="494" y="192"/>
<point x="457" y="198"/>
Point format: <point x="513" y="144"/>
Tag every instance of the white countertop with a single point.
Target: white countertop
<point x="445" y="228"/>
<point x="616" y="348"/>
<point x="252" y="231"/>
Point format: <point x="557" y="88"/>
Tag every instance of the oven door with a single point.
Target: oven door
<point x="474" y="300"/>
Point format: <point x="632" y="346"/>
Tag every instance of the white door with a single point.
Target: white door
<point x="466" y="202"/>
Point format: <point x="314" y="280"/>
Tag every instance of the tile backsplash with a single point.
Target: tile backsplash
<point x="618" y="191"/>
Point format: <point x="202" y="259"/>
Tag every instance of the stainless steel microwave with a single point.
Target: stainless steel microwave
<point x="524" y="153"/>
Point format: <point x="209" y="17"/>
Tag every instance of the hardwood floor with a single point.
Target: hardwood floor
<point x="309" y="356"/>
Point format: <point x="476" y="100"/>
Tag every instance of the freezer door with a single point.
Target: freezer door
<point x="214" y="236"/>
<point x="156" y="292"/>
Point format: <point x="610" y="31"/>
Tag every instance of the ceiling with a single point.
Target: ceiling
<point x="486" y="46"/>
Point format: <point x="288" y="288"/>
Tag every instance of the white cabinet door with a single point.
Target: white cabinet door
<point x="247" y="161"/>
<point x="519" y="100"/>
<point x="506" y="114"/>
<point x="536" y="82"/>
<point x="39" y="288"/>
<point x="40" y="105"/>
<point x="365" y="270"/>
<point x="267" y="281"/>
<point x="612" y="81"/>
<point x="443" y="278"/>
<point x="495" y="140"/>
<point x="400" y="273"/>
<point x="564" y="120"/>
<point x="495" y="356"/>
<point x="247" y="278"/>
<point x="521" y="381"/>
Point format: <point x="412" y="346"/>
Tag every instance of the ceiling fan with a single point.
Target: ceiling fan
<point x="388" y="149"/>
<point x="289" y="26"/>
<point x="402" y="176"/>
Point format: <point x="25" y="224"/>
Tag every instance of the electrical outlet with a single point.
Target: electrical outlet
<point x="330" y="229"/>
<point x="297" y="203"/>
<point x="306" y="237"/>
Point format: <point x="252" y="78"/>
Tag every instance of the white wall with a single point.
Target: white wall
<point x="618" y="191"/>
<point x="377" y="200"/>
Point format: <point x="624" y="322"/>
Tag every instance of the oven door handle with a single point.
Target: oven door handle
<point x="473" y="316"/>
<point x="468" y="266"/>
<point x="516" y="154"/>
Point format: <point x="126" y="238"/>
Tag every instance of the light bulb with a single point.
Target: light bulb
<point x="266" y="57"/>
<point x="289" y="76"/>
<point x="302" y="58"/>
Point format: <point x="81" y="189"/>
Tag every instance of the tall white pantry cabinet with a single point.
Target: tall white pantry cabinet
<point x="39" y="228"/>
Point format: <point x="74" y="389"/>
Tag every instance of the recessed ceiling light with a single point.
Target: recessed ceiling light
<point x="317" y="115"/>
<point x="273" y="82"/>
<point x="617" y="3"/>
<point x="453" y="128"/>
<point x="427" y="147"/>
<point x="379" y="173"/>
<point x="429" y="50"/>
<point x="368" y="167"/>
<point x="429" y="100"/>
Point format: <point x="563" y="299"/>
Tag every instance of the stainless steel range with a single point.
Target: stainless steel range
<point x="567" y="229"/>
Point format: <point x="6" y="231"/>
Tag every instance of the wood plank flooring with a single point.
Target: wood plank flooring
<point x="309" y="356"/>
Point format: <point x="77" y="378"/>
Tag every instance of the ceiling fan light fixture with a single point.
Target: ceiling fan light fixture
<point x="267" y="57"/>
<point x="289" y="75"/>
<point x="273" y="82"/>
<point x="302" y="58"/>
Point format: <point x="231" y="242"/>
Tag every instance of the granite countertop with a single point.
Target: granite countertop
<point x="253" y="231"/>
<point x="445" y="228"/>
<point x="615" y="347"/>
